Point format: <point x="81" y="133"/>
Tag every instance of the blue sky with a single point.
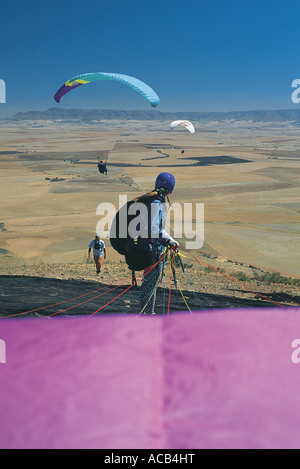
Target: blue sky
<point x="197" y="55"/>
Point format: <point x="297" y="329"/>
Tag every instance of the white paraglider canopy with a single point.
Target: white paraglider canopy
<point x="187" y="124"/>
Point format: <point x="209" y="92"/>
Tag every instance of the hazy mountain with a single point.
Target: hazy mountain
<point x="104" y="114"/>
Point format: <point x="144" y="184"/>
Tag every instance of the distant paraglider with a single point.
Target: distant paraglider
<point x="187" y="124"/>
<point x="137" y="85"/>
<point x="102" y="167"/>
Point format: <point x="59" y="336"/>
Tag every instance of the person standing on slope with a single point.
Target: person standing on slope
<point x="98" y="247"/>
<point x="158" y="238"/>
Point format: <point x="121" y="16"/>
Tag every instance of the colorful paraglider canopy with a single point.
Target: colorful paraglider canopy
<point x="137" y="85"/>
<point x="187" y="124"/>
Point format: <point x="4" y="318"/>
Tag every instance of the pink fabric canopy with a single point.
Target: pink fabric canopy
<point x="215" y="379"/>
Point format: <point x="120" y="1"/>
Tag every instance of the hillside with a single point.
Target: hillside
<point x="75" y="289"/>
<point x="98" y="114"/>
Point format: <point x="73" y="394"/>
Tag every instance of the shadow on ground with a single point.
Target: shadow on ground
<point x="28" y="296"/>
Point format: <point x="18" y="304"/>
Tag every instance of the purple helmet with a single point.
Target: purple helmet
<point x="166" y="181"/>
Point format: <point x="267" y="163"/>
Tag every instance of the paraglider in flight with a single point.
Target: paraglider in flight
<point x="187" y="124"/>
<point x="137" y="85"/>
<point x="102" y="167"/>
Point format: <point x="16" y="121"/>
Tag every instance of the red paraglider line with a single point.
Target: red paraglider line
<point x="233" y="280"/>
<point x="54" y="304"/>
<point x="59" y="303"/>
<point x="110" y="301"/>
<point x="146" y="271"/>
<point x="71" y="299"/>
<point x="273" y="294"/>
<point x="170" y="289"/>
<point x="252" y="265"/>
<point x="86" y="301"/>
<point x="97" y="296"/>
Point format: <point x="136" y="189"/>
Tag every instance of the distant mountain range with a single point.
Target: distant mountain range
<point x="56" y="113"/>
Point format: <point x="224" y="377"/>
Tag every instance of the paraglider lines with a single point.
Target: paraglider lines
<point x="251" y="265"/>
<point x="166" y="299"/>
<point x="200" y="304"/>
<point x="102" y="307"/>
<point x="170" y="288"/>
<point x="233" y="280"/>
<point x="79" y="304"/>
<point x="66" y="301"/>
<point x="273" y="294"/>
<point x="146" y="272"/>
<point x="54" y="304"/>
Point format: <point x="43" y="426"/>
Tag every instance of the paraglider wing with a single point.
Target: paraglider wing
<point x="137" y="85"/>
<point x="187" y="124"/>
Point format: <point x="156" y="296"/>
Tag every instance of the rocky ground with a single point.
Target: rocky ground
<point x="75" y="289"/>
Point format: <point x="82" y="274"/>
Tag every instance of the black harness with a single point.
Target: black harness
<point x="97" y="245"/>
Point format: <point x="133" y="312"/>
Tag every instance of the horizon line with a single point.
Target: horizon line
<point x="150" y="111"/>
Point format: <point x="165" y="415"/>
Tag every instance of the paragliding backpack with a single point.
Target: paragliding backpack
<point x="139" y="253"/>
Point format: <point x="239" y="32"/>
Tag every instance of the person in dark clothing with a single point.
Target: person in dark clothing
<point x="102" y="167"/>
<point x="157" y="236"/>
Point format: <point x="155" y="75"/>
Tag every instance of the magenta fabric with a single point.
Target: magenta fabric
<point x="214" y="379"/>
